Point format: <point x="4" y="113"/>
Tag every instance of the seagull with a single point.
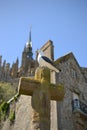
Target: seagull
<point x="45" y="61"/>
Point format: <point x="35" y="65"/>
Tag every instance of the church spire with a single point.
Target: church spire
<point x="29" y="47"/>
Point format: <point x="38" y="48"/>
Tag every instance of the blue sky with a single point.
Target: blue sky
<point x="62" y="21"/>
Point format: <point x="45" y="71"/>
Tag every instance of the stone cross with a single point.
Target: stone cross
<point x="42" y="91"/>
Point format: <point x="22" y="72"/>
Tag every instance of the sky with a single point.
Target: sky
<point x="62" y="21"/>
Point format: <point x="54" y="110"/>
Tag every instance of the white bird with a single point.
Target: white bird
<point x="45" y="61"/>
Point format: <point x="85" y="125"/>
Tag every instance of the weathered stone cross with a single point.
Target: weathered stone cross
<point x="42" y="91"/>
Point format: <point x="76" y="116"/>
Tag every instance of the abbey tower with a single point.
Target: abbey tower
<point x="28" y="64"/>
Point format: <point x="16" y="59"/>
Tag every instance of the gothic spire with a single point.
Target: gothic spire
<point x="29" y="47"/>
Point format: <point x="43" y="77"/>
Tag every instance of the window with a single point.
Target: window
<point x="76" y="103"/>
<point x="74" y="73"/>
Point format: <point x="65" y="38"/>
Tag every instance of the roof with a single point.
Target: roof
<point x="71" y="56"/>
<point x="64" y="58"/>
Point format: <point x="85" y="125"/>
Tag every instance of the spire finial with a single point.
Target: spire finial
<point x="30" y="42"/>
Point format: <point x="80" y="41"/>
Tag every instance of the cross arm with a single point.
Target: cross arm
<point x="57" y="92"/>
<point x="27" y="86"/>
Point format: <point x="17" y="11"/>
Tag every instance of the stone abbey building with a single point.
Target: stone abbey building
<point x="69" y="114"/>
<point x="27" y="68"/>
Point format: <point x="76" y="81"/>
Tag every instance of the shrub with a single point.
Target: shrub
<point x="4" y="107"/>
<point x="12" y="116"/>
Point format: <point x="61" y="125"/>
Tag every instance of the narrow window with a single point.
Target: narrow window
<point x="76" y="103"/>
<point x="74" y="73"/>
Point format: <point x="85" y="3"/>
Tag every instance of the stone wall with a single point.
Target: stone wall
<point x="84" y="71"/>
<point x="74" y="82"/>
<point x="23" y="115"/>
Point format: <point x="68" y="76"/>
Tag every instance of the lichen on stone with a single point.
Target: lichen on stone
<point x="42" y="74"/>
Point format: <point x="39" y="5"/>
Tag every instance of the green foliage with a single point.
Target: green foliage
<point x="4" y="107"/>
<point x="12" y="116"/>
<point x="7" y="91"/>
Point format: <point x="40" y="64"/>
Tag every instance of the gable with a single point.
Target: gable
<point x="69" y="62"/>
